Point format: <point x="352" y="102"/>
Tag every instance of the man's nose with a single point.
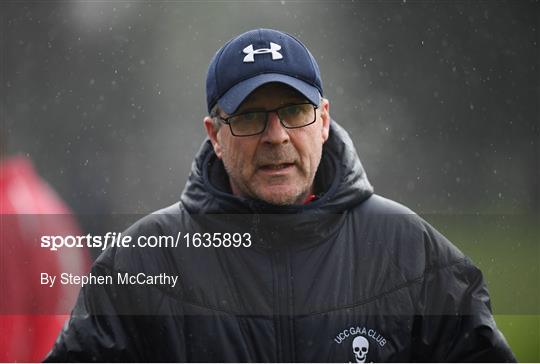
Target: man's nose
<point x="275" y="133"/>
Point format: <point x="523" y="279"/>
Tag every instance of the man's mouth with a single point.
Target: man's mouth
<point x="276" y="167"/>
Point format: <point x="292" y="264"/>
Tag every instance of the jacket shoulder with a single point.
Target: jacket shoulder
<point x="166" y="222"/>
<point x="377" y="204"/>
<point x="415" y="246"/>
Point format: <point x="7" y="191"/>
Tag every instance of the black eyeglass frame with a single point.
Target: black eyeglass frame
<point x="267" y="112"/>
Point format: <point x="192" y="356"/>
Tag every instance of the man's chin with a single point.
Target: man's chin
<point x="280" y="196"/>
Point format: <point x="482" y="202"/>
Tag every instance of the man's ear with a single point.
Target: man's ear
<point x="325" y="117"/>
<point x="212" y="132"/>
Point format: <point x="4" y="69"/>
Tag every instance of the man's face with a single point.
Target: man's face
<point x="279" y="165"/>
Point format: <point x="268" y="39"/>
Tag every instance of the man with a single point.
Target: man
<point x="316" y="268"/>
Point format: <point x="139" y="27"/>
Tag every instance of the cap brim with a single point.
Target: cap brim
<point x="232" y="99"/>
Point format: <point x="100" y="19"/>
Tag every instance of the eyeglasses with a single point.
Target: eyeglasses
<point x="254" y="122"/>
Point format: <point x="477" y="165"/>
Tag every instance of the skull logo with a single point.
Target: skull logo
<point x="360" y="346"/>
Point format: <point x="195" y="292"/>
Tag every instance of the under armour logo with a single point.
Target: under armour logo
<point x="274" y="48"/>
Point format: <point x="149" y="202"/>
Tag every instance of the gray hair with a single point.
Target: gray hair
<point x="214" y="114"/>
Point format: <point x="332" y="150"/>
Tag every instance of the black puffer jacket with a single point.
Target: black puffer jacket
<point x="351" y="277"/>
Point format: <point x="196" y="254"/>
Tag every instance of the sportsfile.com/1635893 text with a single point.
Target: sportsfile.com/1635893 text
<point x="113" y="239"/>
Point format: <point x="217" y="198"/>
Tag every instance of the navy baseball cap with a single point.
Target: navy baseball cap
<point x="255" y="58"/>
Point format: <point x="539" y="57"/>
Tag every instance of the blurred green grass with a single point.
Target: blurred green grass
<point x="523" y="335"/>
<point x="507" y="250"/>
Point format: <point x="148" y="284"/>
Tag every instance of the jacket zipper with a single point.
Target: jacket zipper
<point x="283" y="315"/>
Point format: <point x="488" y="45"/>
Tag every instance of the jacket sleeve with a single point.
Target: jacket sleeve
<point x="454" y="321"/>
<point x="111" y="322"/>
<point x="95" y="332"/>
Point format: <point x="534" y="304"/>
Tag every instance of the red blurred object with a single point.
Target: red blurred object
<point x="310" y="198"/>
<point x="31" y="315"/>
